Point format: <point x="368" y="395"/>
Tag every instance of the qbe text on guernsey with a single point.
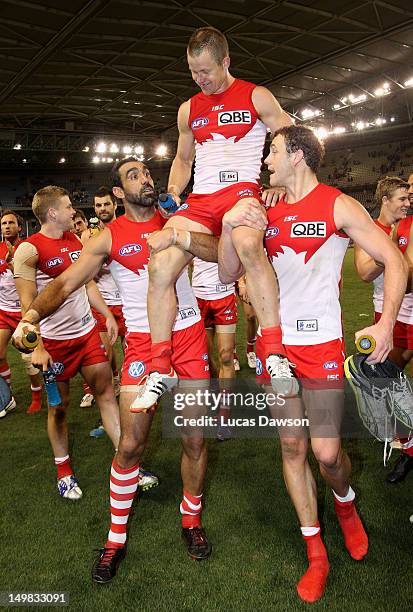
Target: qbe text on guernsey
<point x="33" y="598"/>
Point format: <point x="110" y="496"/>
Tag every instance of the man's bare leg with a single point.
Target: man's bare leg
<point x="325" y="408"/>
<point x="99" y="378"/>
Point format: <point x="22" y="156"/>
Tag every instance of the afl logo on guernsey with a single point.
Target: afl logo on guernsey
<point x="402" y="241"/>
<point x="130" y="249"/>
<point x="199" y="122"/>
<point x="271" y="232"/>
<point x="235" y="116"/>
<point x="136" y="369"/>
<point x="55" y="261"/>
<point x="330" y="365"/>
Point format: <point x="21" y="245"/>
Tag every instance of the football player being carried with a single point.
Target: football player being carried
<point x="69" y="339"/>
<point x="314" y="223"/>
<point x="226" y="125"/>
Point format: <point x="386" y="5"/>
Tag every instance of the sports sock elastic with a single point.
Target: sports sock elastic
<point x="407" y="446"/>
<point x="355" y="537"/>
<point x="312" y="584"/>
<point x="123" y="486"/>
<point x="5" y="372"/>
<point x="272" y="341"/>
<point x="86" y="388"/>
<point x="161" y="357"/>
<point x="36" y="404"/>
<point x="191" y="509"/>
<point x="250" y="345"/>
<point x="64" y="467"/>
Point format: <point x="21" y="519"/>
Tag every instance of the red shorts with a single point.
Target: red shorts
<point x="317" y="365"/>
<point x="9" y="320"/>
<point x="189" y="354"/>
<point x="69" y="356"/>
<point x="402" y="333"/>
<point x="218" y="312"/>
<point x="209" y="208"/>
<point x="116" y="310"/>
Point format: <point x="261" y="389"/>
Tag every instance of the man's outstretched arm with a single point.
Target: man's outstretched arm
<point x="204" y="246"/>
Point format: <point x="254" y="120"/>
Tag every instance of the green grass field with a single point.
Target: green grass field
<point x="258" y="556"/>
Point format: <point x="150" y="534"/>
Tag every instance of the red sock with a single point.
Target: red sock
<point x="235" y="354"/>
<point x="63" y="467"/>
<point x="161" y="357"/>
<point x="355" y="537"/>
<point x="5" y="372"/>
<point x="312" y="584"/>
<point x="272" y="341"/>
<point x="123" y="486"/>
<point x="86" y="388"/>
<point x="407" y="446"/>
<point x="250" y="345"/>
<point x="191" y="509"/>
<point x="36" y="404"/>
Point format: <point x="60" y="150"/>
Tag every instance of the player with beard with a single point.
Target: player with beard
<point x="225" y="124"/>
<point x="306" y="239"/>
<point x="10" y="309"/>
<point x="125" y="244"/>
<point x="69" y="339"/>
<point x="105" y="205"/>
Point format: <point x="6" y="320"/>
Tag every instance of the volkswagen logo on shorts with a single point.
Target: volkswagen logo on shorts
<point x="130" y="249"/>
<point x="183" y="206"/>
<point x="205" y="356"/>
<point x="258" y="366"/>
<point x="136" y="369"/>
<point x="330" y="365"/>
<point x="402" y="241"/>
<point x="58" y="368"/>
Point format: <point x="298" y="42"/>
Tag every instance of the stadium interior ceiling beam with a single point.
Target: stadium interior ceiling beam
<point x="36" y="6"/>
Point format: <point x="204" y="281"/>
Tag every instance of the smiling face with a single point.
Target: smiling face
<point x="410" y="181"/>
<point x="137" y="185"/>
<point x="211" y="77"/>
<point x="280" y="163"/>
<point x="397" y="204"/>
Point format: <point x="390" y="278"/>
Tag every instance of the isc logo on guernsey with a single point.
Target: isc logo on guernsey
<point x="130" y="249"/>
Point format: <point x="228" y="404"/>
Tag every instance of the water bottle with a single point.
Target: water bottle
<point x="51" y="387"/>
<point x="30" y="341"/>
<point x="166" y="201"/>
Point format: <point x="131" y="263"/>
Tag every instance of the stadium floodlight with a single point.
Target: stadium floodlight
<point x="336" y="106"/>
<point x="161" y="150"/>
<point x="321" y="132"/>
<point x="101" y="147"/>
<point x="139" y="150"/>
<point x="380" y="121"/>
<point x="127" y="149"/>
<point x="382" y="91"/>
<point x="62" y="160"/>
<point x="339" y="130"/>
<point x="109" y="160"/>
<point x="17" y="146"/>
<point x="307" y="113"/>
<point x="114" y="148"/>
<point x="96" y="159"/>
<point x="86" y="149"/>
<point x="24" y="161"/>
<point x="409" y="82"/>
<point x="392" y="119"/>
<point x="360" y="125"/>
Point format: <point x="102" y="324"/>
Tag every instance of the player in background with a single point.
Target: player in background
<point x="392" y="195"/>
<point x="306" y="239"/>
<point x="226" y="125"/>
<point x="69" y="340"/>
<point x="10" y="309"/>
<point x="79" y="222"/>
<point x="217" y="304"/>
<point x="105" y="205"/>
<point x="251" y="323"/>
<point x="126" y="243"/>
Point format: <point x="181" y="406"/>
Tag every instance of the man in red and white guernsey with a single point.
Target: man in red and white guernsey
<point x="393" y="197"/>
<point x="69" y="339"/>
<point x="10" y="310"/>
<point x="217" y="303"/>
<point x="123" y="244"/>
<point x="306" y="239"/>
<point x="104" y="203"/>
<point x="226" y="124"/>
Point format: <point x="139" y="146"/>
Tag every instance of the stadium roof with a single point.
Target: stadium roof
<point x="119" y="66"/>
